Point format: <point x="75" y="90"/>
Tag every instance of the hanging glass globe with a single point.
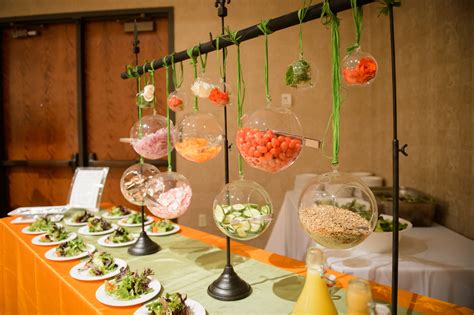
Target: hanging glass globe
<point x="338" y="210"/>
<point x="177" y="100"/>
<point x="359" y="68"/>
<point x="145" y="97"/>
<point x="133" y="182"/>
<point x="149" y="137"/>
<point x="219" y="95"/>
<point x="270" y="139"/>
<point x="199" y="137"/>
<point x="168" y="195"/>
<point x="299" y="75"/>
<point x="243" y="210"/>
<point x="202" y="86"/>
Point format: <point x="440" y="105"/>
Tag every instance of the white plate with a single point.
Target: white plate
<point x="175" y="229"/>
<point x="23" y="220"/>
<point x="195" y="307"/>
<point x="85" y="231"/>
<point x="25" y="230"/>
<point x="36" y="240"/>
<point x="121" y="222"/>
<point x="51" y="254"/>
<point x="76" y="272"/>
<point x="106" y="299"/>
<point x="101" y="241"/>
<point x="106" y="215"/>
<point x="70" y="223"/>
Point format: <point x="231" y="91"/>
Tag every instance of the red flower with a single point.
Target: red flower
<point x="175" y="103"/>
<point x="218" y="97"/>
<point x="362" y="73"/>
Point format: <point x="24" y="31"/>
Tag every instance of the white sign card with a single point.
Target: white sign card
<point x="86" y="187"/>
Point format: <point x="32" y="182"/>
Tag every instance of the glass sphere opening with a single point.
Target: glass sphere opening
<point x="134" y="180"/>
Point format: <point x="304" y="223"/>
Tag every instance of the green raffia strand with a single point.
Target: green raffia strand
<point x="387" y="4"/>
<point x="222" y="67"/>
<point x="194" y="63"/>
<point x="301" y="14"/>
<point x="357" y="16"/>
<point x="232" y="37"/>
<point x="152" y="81"/>
<point x="263" y="27"/>
<point x="176" y="82"/>
<point x="202" y="60"/>
<point x="168" y="123"/>
<point x="328" y="18"/>
<point x="140" y="131"/>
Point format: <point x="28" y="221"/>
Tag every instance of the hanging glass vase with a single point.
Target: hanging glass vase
<point x="202" y="86"/>
<point x="220" y="94"/>
<point x="359" y="68"/>
<point x="177" y="100"/>
<point x="134" y="180"/>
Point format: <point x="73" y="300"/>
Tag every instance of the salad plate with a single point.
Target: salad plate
<point x="78" y="272"/>
<point x="107" y="299"/>
<point x="149" y="230"/>
<point x="26" y="230"/>
<point x="103" y="241"/>
<point x="23" y="220"/>
<point x="118" y="212"/>
<point x="85" y="231"/>
<point x="131" y="222"/>
<point x="194" y="308"/>
<point x="72" y="223"/>
<point x="51" y="254"/>
<point x="37" y="240"/>
<point x="79" y="218"/>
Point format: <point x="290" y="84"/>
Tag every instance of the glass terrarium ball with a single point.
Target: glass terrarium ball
<point x="168" y="195"/>
<point x="199" y="137"/>
<point x="338" y="210"/>
<point x="177" y="100"/>
<point x="134" y="180"/>
<point x="145" y="97"/>
<point x="299" y="74"/>
<point x="242" y="210"/>
<point x="202" y="86"/>
<point x="220" y="94"/>
<point x="359" y="68"/>
<point x="270" y="139"/>
<point x="149" y="137"/>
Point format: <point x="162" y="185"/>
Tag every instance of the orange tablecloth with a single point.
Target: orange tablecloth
<point x="30" y="284"/>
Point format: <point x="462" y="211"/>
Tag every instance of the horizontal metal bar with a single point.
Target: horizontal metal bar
<point x="38" y="163"/>
<point x="276" y="24"/>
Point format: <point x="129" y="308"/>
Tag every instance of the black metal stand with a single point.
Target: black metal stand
<point x="144" y="245"/>
<point x="229" y="286"/>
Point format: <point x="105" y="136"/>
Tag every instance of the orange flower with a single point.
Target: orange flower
<point x="219" y="97"/>
<point x="362" y="73"/>
<point x="175" y="103"/>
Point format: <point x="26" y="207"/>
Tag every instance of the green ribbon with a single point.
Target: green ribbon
<point x="151" y="73"/>
<point x="190" y="53"/>
<point x="201" y="59"/>
<point x="140" y="131"/>
<point x="263" y="27"/>
<point x="232" y="37"/>
<point x="329" y="18"/>
<point x="222" y="66"/>
<point x="357" y="16"/>
<point x="168" y="122"/>
<point x="176" y="82"/>
<point x="301" y="14"/>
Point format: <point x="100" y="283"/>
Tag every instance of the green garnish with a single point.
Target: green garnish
<point x="41" y="224"/>
<point x="386" y="225"/>
<point x="81" y="216"/>
<point x="135" y="218"/>
<point x="120" y="235"/>
<point x="71" y="248"/>
<point x="118" y="211"/>
<point x="99" y="263"/>
<point x="55" y="233"/>
<point x="299" y="72"/>
<point x="129" y="285"/>
<point x="161" y="226"/>
<point x="356" y="207"/>
<point x="98" y="225"/>
<point x="170" y="304"/>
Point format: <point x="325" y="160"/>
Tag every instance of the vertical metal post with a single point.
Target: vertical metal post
<point x="396" y="174"/>
<point x="80" y="89"/>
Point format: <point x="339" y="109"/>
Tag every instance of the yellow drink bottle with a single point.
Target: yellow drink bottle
<point x="315" y="298"/>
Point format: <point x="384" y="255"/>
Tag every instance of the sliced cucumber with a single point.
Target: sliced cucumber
<point x="227" y="209"/>
<point x="265" y="209"/>
<point x="219" y="214"/>
<point x="238" y="207"/>
<point x="252" y="205"/>
<point x="255" y="227"/>
<point x="241" y="232"/>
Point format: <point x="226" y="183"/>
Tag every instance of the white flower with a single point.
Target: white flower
<point x="201" y="88"/>
<point x="149" y="92"/>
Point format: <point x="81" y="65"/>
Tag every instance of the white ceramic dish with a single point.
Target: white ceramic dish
<point x="23" y="220"/>
<point x="25" y="230"/>
<point x="36" y="240"/>
<point x="70" y="223"/>
<point x="106" y="299"/>
<point x="381" y="242"/>
<point x="121" y="222"/>
<point x="107" y="216"/>
<point x="101" y="241"/>
<point x="175" y="229"/>
<point x="51" y="254"/>
<point x="84" y="275"/>
<point x="85" y="231"/>
<point x="195" y="308"/>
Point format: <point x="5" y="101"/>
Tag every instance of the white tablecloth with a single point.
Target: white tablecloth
<point x="434" y="261"/>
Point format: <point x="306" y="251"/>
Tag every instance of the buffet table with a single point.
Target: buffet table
<point x="188" y="262"/>
<point x="434" y="261"/>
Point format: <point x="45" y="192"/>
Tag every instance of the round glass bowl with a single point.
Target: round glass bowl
<point x="359" y="68"/>
<point x="202" y="86"/>
<point x="270" y="139"/>
<point x="243" y="210"/>
<point x="134" y="180"/>
<point x="149" y="137"/>
<point x="338" y="210"/>
<point x="168" y="195"/>
<point x="299" y="75"/>
<point x="146" y="96"/>
<point x="199" y="137"/>
<point x="177" y="100"/>
<point x="219" y="95"/>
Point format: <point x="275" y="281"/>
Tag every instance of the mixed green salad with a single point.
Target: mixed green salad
<point x="81" y="216"/>
<point x="386" y="225"/>
<point x="41" y="224"/>
<point x="120" y="235"/>
<point x="96" y="224"/>
<point x="161" y="226"/>
<point x="135" y="218"/>
<point x="71" y="248"/>
<point x="99" y="264"/>
<point x="118" y="211"/>
<point x="55" y="233"/>
<point x="129" y="285"/>
<point x="356" y="207"/>
<point x="169" y="304"/>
